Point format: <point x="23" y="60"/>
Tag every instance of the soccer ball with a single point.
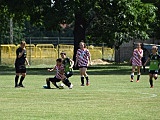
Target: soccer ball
<point x="61" y="86"/>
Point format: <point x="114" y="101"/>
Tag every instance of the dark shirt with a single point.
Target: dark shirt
<point x="67" y="64"/>
<point x="22" y="59"/>
<point x="154" y="61"/>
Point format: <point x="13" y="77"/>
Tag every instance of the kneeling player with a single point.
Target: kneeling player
<point x="59" y="75"/>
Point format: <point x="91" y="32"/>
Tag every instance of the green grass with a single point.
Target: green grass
<point x="109" y="97"/>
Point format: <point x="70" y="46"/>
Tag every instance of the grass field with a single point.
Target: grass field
<point x="109" y="97"/>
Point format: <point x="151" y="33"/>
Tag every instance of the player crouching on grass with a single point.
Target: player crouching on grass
<point x="58" y="77"/>
<point x="154" y="59"/>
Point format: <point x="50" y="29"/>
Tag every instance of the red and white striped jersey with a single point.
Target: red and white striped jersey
<point x="136" y="59"/>
<point x="83" y="57"/>
<point x="59" y="71"/>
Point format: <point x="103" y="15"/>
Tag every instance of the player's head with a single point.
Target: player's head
<point x="154" y="49"/>
<point x="63" y="54"/>
<point x="23" y="43"/>
<point x="82" y="45"/>
<point x="59" y="61"/>
<point x="139" y="45"/>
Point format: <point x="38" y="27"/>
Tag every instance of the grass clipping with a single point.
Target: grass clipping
<point x="99" y="62"/>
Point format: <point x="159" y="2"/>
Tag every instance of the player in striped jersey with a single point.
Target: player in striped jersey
<point x="59" y="74"/>
<point x="154" y="59"/>
<point x="136" y="62"/>
<point x="83" y="59"/>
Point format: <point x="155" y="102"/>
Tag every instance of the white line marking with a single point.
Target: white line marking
<point x="150" y="95"/>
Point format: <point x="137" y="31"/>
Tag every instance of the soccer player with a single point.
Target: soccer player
<point x="83" y="59"/>
<point x="68" y="67"/>
<point x="137" y="62"/>
<point x="154" y="59"/>
<point x="68" y="64"/>
<point x="59" y="75"/>
<point x="20" y="66"/>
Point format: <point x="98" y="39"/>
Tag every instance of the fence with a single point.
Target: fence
<point x="46" y="54"/>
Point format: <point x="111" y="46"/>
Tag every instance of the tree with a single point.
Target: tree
<point x="122" y="21"/>
<point x="112" y="21"/>
<point x="156" y="24"/>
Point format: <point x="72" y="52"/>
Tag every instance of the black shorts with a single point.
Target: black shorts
<point x="54" y="79"/>
<point x="82" y="67"/>
<point x="153" y="71"/>
<point x="68" y="74"/>
<point x="20" y="68"/>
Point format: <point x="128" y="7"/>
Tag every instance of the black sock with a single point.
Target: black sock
<point x="138" y="77"/>
<point x="55" y="84"/>
<point x="132" y="76"/>
<point x="87" y="79"/>
<point x="21" y="80"/>
<point x="82" y="80"/>
<point x="67" y="82"/>
<point x="48" y="84"/>
<point x="16" y="80"/>
<point x="151" y="82"/>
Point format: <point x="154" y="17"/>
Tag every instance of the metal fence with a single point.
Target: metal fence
<point x="46" y="54"/>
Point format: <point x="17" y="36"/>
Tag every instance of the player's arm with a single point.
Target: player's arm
<point x="50" y="70"/>
<point x="140" y="54"/>
<point x="90" y="62"/>
<point x="89" y="58"/>
<point x="72" y="63"/>
<point x="21" y="53"/>
<point x="146" y="61"/>
<point x="27" y="62"/>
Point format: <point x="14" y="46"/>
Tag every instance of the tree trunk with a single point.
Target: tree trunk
<point x="79" y="32"/>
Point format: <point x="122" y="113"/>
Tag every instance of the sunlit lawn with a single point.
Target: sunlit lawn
<point x="109" y="97"/>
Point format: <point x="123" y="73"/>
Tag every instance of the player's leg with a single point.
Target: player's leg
<point x="69" y="74"/>
<point x="86" y="75"/>
<point x="21" y="79"/>
<point x="82" y="76"/>
<point x="66" y="80"/>
<point x="155" y="75"/>
<point x="23" y="72"/>
<point x="48" y="83"/>
<point x="17" y="76"/>
<point x="16" y="80"/>
<point x="151" y="80"/>
<point x="54" y="81"/>
<point x="132" y="73"/>
<point x="138" y="73"/>
<point x="67" y="83"/>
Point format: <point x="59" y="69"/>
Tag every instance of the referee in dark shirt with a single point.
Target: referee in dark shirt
<point x="20" y="66"/>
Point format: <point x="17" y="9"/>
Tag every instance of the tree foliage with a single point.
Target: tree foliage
<point x="156" y="24"/>
<point x="109" y="21"/>
<point x="121" y="21"/>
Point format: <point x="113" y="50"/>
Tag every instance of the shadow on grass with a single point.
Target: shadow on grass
<point x="92" y="70"/>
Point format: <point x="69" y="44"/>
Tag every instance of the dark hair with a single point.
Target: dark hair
<point x="63" y="53"/>
<point x="59" y="60"/>
<point x="23" y="42"/>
